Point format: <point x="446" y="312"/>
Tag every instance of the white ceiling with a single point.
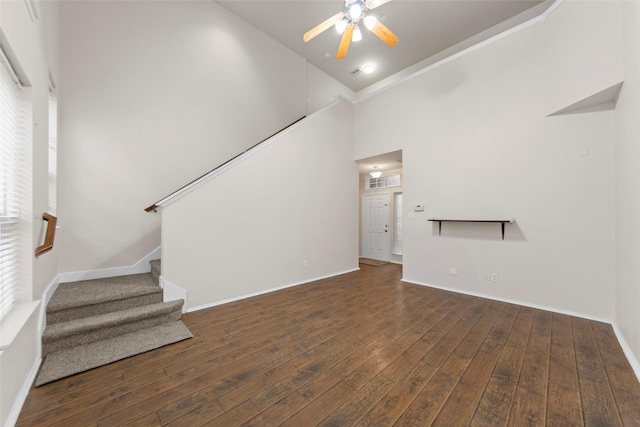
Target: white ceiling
<point x="384" y="162"/>
<point x="426" y="28"/>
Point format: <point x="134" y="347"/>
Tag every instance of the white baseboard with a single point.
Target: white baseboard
<point x="510" y="301"/>
<point x="139" y="267"/>
<point x="633" y="361"/>
<point x="172" y="292"/>
<point x="266" y="291"/>
<point x="12" y="419"/>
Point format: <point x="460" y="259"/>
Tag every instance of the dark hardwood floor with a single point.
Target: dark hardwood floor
<point x="360" y="349"/>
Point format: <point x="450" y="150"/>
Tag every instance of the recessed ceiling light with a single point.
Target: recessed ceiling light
<point x="368" y="68"/>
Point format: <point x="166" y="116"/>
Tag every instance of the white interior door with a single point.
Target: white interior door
<point x="375" y="226"/>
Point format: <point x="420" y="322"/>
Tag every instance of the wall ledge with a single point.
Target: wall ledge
<point x="13" y="323"/>
<point x="603" y="100"/>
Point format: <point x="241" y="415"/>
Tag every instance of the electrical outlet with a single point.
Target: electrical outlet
<point x="494" y="277"/>
<point x="305" y="264"/>
<point x="487" y="276"/>
<point x="453" y="271"/>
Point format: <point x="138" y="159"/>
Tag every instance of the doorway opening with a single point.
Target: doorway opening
<point x="381" y="208"/>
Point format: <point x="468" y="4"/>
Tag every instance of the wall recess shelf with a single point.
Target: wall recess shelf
<point x="502" y="222"/>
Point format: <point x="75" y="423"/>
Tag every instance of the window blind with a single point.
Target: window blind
<point x="15" y="185"/>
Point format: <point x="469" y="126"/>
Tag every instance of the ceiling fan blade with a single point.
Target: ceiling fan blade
<point x="372" y="4"/>
<point x="345" y="41"/>
<point x="385" y="34"/>
<point x="322" y="26"/>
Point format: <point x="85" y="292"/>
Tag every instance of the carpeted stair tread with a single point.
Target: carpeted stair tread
<point x="77" y="294"/>
<point x="102" y="321"/>
<point x="71" y="361"/>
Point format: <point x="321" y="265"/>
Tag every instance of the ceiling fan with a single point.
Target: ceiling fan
<point x="346" y="22"/>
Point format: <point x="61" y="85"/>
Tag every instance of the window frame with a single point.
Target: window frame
<point x="390" y="180"/>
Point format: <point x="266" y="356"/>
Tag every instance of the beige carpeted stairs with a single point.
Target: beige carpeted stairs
<point x="95" y="322"/>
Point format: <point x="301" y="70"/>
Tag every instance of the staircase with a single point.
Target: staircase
<point x="95" y="322"/>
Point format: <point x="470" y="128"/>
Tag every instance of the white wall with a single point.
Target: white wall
<point x="322" y="89"/>
<point x="582" y="45"/>
<point x="153" y="95"/>
<point x="250" y="229"/>
<point x="627" y="290"/>
<point x="33" y="47"/>
<point x="476" y="144"/>
<point x="17" y="368"/>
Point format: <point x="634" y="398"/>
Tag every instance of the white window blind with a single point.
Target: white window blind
<point x="53" y="150"/>
<point x="15" y="186"/>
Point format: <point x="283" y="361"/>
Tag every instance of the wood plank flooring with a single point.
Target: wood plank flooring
<point x="361" y="349"/>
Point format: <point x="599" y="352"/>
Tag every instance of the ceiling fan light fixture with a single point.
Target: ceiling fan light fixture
<point x="375" y="173"/>
<point x="370" y="21"/>
<point x="341" y="25"/>
<point x="355" y="11"/>
<point x="357" y="34"/>
<point x="347" y="23"/>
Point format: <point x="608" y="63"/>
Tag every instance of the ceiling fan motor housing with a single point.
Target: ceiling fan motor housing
<point x="355" y="9"/>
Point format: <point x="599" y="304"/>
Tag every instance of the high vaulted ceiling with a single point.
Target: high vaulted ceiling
<point x="428" y="30"/>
